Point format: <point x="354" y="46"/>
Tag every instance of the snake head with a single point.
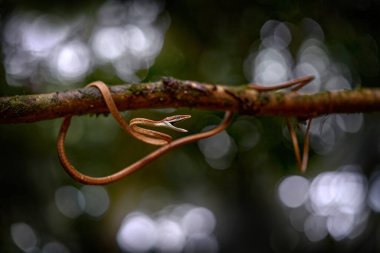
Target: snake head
<point x="169" y="121"/>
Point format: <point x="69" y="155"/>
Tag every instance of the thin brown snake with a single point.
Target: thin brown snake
<point x="158" y="138"/>
<point x="148" y="136"/>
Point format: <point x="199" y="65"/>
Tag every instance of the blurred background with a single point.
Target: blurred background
<point x="238" y="191"/>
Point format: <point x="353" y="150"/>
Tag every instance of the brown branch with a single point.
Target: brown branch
<point x="170" y="92"/>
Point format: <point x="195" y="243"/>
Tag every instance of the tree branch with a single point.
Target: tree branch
<point x="170" y="92"/>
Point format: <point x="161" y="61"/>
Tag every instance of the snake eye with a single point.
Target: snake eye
<point x="176" y="118"/>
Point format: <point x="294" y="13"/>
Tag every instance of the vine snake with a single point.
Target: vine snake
<point x="165" y="141"/>
<point x="146" y="135"/>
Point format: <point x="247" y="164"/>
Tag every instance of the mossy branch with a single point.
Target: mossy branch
<point x="170" y="92"/>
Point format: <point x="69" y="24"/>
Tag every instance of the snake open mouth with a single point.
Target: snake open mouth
<point x="170" y="121"/>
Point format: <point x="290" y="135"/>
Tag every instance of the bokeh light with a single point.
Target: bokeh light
<point x="218" y="150"/>
<point x="173" y="229"/>
<point x="293" y="191"/>
<point x="72" y="202"/>
<point x="138" y="233"/>
<point x="327" y="131"/>
<point x="335" y="203"/>
<point x="273" y="63"/>
<point x="171" y="236"/>
<point x="69" y="201"/>
<point x="70" y="61"/>
<point x="24" y="236"/>
<point x="96" y="200"/>
<point x="40" y="47"/>
<point x="374" y="193"/>
<point x="54" y="247"/>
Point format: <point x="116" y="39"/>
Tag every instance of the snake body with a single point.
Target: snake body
<point x="133" y="128"/>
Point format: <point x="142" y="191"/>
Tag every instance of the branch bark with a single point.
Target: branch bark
<point x="170" y="92"/>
